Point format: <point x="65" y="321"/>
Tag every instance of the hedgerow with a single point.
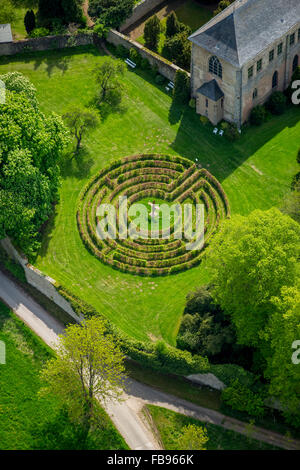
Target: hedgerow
<point x="169" y="178"/>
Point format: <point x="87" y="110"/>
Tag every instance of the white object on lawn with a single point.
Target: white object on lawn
<point x="215" y="131"/>
<point x="221" y="132"/>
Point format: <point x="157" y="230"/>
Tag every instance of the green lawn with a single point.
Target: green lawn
<point x="18" y="28"/>
<point x="29" y="422"/>
<point x="255" y="173"/>
<point x="169" y="425"/>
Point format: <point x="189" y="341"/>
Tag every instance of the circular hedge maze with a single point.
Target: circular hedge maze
<point x="144" y="178"/>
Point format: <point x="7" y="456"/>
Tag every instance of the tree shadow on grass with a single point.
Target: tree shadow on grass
<point x="77" y="165"/>
<point x="59" y="433"/>
<point x="220" y="156"/>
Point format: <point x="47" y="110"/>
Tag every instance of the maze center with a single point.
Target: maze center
<point x="152" y="181"/>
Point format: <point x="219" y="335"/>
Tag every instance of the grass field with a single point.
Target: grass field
<point x="255" y="173"/>
<point x="18" y="28"/>
<point x="29" y="422"/>
<point x="169" y="425"/>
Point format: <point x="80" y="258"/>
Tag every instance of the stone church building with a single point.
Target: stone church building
<point x="242" y="55"/>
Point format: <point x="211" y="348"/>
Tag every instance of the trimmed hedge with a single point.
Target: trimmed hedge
<point x="170" y="178"/>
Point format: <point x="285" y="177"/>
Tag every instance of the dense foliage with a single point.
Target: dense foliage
<point x="205" y="330"/>
<point x="31" y="146"/>
<point x="59" y="12"/>
<point x="152" y="33"/>
<point x="257" y="285"/>
<point x="111" y="13"/>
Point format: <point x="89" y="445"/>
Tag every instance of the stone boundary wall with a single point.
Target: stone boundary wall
<point x="165" y="68"/>
<point x="139" y="11"/>
<point x="44" y="284"/>
<point x="45" y="43"/>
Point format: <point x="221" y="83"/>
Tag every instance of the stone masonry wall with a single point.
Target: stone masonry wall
<point x="140" y="10"/>
<point x="44" y="284"/>
<point x="165" y="68"/>
<point x="45" y="43"/>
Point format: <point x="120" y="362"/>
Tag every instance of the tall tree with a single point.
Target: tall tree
<point x="80" y="120"/>
<point x="252" y="258"/>
<point x="152" y="33"/>
<point x="31" y="146"/>
<point x="111" y="13"/>
<point x="88" y="366"/>
<point x="108" y="76"/>
<point x="282" y="332"/>
<point x="172" y="25"/>
<point x="192" y="438"/>
<point x="7" y="12"/>
<point x="29" y="21"/>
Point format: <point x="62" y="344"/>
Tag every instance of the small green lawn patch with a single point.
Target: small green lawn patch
<point x="169" y="425"/>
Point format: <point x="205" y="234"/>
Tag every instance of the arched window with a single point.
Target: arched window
<point x="215" y="66"/>
<point x="295" y="62"/>
<point x="275" y="80"/>
<point x="254" y="94"/>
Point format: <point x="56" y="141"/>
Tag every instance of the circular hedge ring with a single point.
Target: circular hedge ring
<point x="148" y="179"/>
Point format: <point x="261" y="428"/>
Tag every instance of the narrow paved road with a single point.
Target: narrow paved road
<point x="127" y="415"/>
<point x="129" y="423"/>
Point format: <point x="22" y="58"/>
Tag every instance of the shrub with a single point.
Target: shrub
<point x="29" y="21"/>
<point x="152" y="33"/>
<point x="172" y="25"/>
<point x="192" y="103"/>
<point x="39" y="32"/>
<point x="182" y="88"/>
<point x="159" y="79"/>
<point x="258" y="115"/>
<point x="135" y="56"/>
<point x="231" y="133"/>
<point x="145" y="65"/>
<point x="121" y="51"/>
<point x="277" y="103"/>
<point x="241" y="398"/>
<point x="204" y="120"/>
<point x="177" y="49"/>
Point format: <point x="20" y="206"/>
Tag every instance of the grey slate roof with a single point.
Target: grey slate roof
<point x="5" y="33"/>
<point x="211" y="90"/>
<point x="245" y="29"/>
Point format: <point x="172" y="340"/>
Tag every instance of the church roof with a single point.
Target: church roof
<point x="246" y="28"/>
<point x="5" y="33"/>
<point x="211" y="90"/>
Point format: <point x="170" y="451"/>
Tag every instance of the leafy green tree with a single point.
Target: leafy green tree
<point x="182" y="87"/>
<point x="277" y="103"/>
<point x="111" y="13"/>
<point x="177" y="49"/>
<point x="192" y="438"/>
<point x="7" y="12"/>
<point x="88" y="366"/>
<point x="172" y="25"/>
<point x="251" y="259"/>
<point x="291" y="204"/>
<point x="152" y="33"/>
<point x="31" y="146"/>
<point x="108" y="76"/>
<point x="222" y="5"/>
<point x="242" y="398"/>
<point x="29" y="21"/>
<point x="282" y="331"/>
<point x="67" y="11"/>
<point x="80" y="121"/>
